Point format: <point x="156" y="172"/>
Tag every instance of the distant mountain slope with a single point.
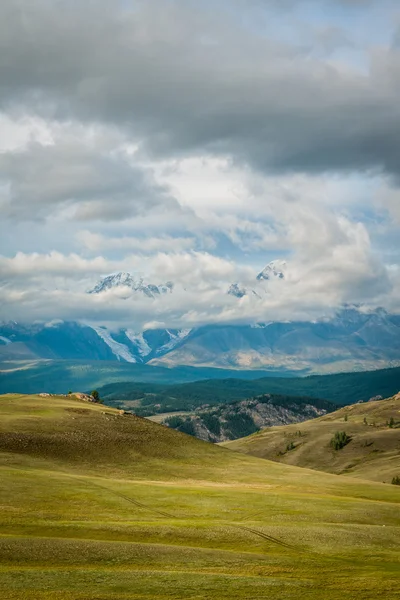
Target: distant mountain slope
<point x="342" y="388"/>
<point x="372" y="452"/>
<point x="352" y="340"/>
<point x="237" y="419"/>
<point x="77" y="341"/>
<point x="59" y="376"/>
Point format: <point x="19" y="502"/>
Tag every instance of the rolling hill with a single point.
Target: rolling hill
<point x="372" y="452"/>
<point x="101" y="505"/>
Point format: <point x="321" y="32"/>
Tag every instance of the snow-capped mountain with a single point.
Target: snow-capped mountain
<point x="137" y="284"/>
<point x="274" y="270"/>
<point x="237" y="290"/>
<point x="353" y="339"/>
<point x="70" y="340"/>
<point x="128" y="346"/>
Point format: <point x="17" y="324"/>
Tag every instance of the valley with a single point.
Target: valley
<point x="238" y="419"/>
<point x="339" y="389"/>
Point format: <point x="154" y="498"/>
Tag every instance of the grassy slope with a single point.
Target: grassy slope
<point x="373" y="453"/>
<point x="96" y="505"/>
<point x="343" y="388"/>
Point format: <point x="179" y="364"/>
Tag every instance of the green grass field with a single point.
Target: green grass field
<point x="99" y="505"/>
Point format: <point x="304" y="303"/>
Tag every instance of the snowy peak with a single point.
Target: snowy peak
<point x="136" y="284"/>
<point x="274" y="270"/>
<point x="237" y="291"/>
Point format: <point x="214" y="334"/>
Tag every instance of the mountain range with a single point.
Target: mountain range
<point x="354" y="339"/>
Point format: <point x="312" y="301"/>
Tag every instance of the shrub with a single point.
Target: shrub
<point x="174" y="422"/>
<point x="188" y="428"/>
<point x="391" y="423"/>
<point x="239" y="425"/>
<point x="396" y="480"/>
<point x="290" y="447"/>
<point x="212" y="423"/>
<point x="183" y="425"/>
<point x="340" y="440"/>
<point x="95" y="395"/>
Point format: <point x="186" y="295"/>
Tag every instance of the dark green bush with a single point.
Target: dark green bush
<point x="211" y="422"/>
<point x="95" y="395"/>
<point x="183" y="425"/>
<point x="396" y="480"/>
<point x="340" y="440"/>
<point x="174" y="422"/>
<point x="239" y="425"/>
<point x="188" y="427"/>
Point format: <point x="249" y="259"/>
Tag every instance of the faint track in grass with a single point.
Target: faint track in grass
<point x="133" y="501"/>
<point x="267" y="537"/>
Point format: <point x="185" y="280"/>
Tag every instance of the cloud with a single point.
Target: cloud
<point x="54" y="287"/>
<point x="33" y="266"/>
<point x="96" y="242"/>
<point x="83" y="173"/>
<point x="184" y="79"/>
<point x="188" y="140"/>
<point x="389" y="198"/>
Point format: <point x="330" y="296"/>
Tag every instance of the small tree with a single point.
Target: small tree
<point x="396" y="480"/>
<point x="96" y="395"/>
<point x="340" y="440"/>
<point x="346" y="417"/>
<point x="391" y="423"/>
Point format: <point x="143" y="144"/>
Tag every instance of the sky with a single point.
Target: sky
<point x="194" y="142"/>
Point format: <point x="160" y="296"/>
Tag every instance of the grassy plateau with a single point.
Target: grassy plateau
<point x="101" y="505"/>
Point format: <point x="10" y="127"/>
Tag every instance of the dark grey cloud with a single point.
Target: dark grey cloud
<point x="79" y="176"/>
<point x="183" y="80"/>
